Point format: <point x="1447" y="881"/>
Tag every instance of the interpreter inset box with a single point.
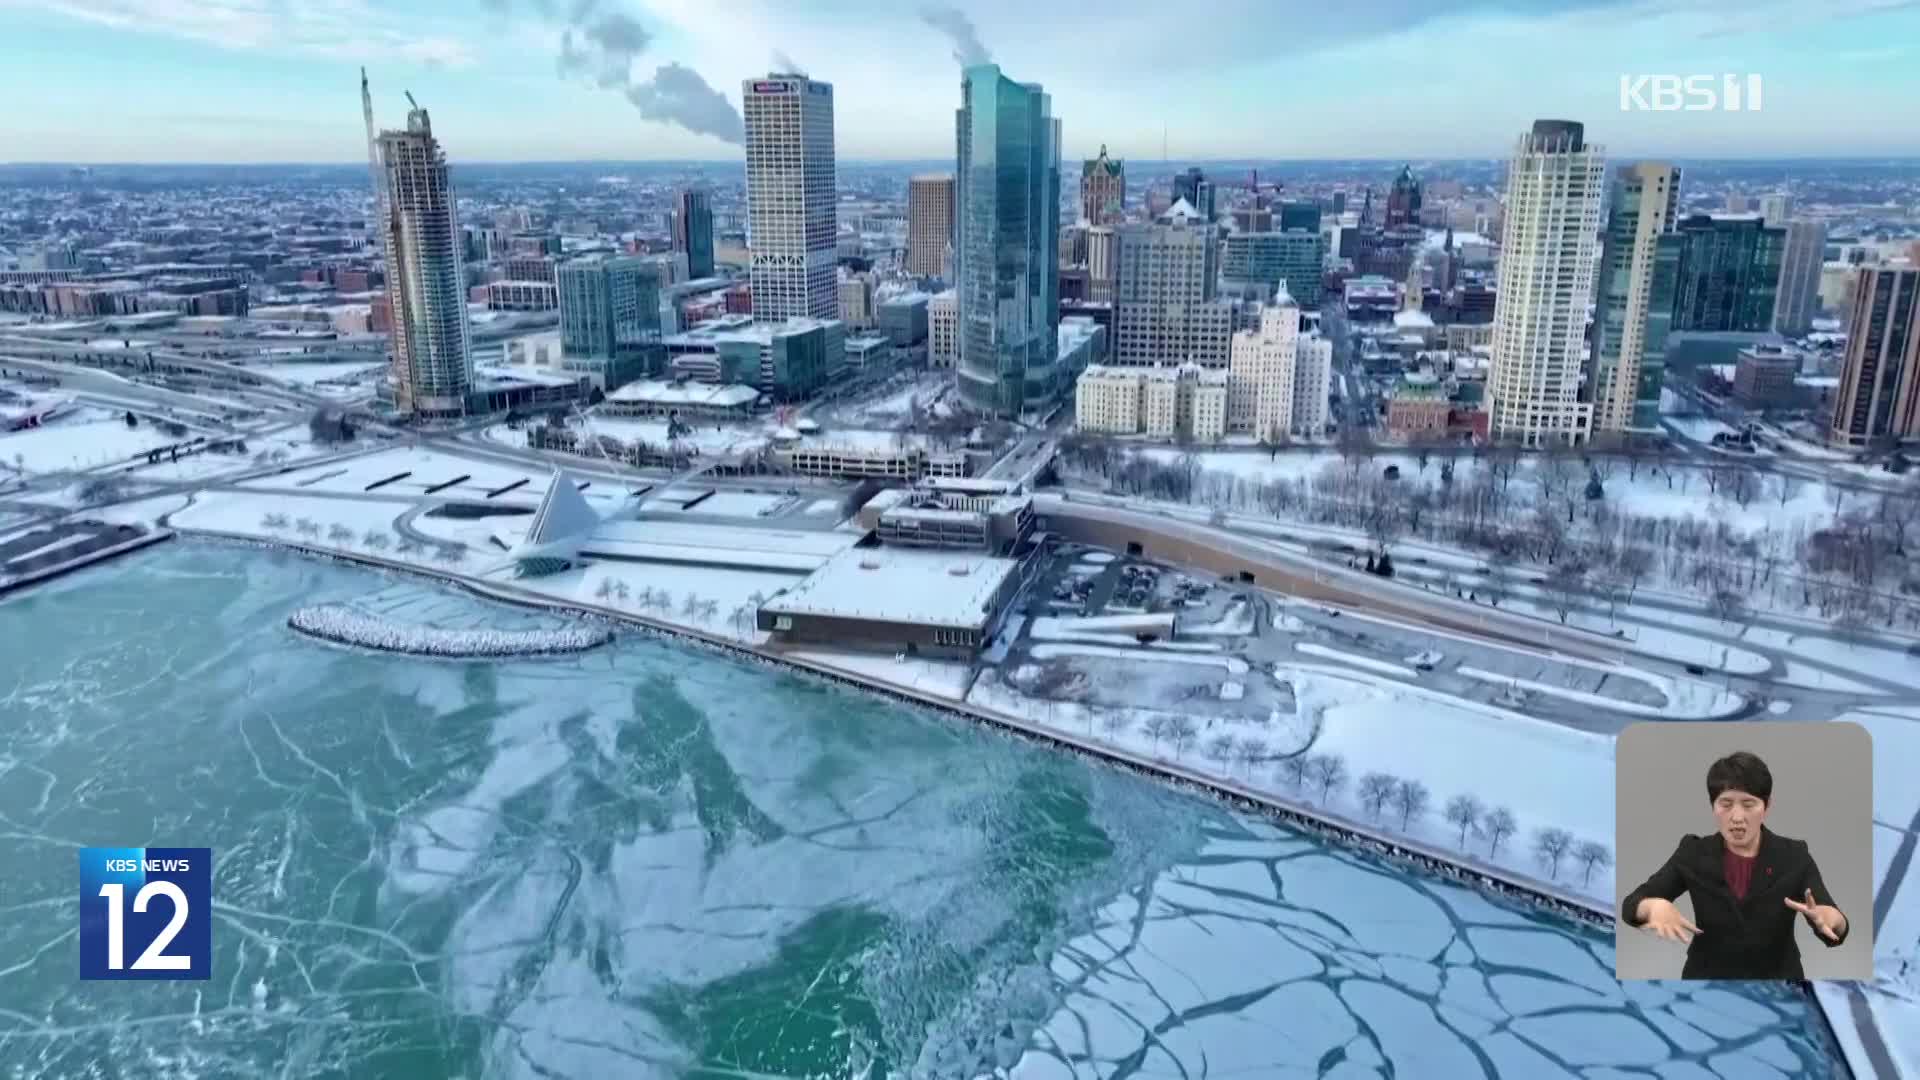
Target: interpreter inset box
<point x="1744" y="851"/>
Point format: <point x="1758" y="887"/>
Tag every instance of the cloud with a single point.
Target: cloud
<point x="951" y="21"/>
<point x="344" y="30"/>
<point x="787" y="64"/>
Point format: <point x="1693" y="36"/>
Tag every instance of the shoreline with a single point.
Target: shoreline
<point x="340" y="625"/>
<point x="1497" y="885"/>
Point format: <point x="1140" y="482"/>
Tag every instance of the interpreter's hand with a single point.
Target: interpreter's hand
<point x="1663" y="918"/>
<point x="1825" y="917"/>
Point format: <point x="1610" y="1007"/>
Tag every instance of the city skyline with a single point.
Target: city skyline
<point x="510" y="82"/>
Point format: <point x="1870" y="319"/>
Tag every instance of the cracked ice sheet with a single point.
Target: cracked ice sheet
<point x="1190" y="990"/>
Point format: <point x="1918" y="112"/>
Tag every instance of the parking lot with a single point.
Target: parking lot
<point x="1108" y="628"/>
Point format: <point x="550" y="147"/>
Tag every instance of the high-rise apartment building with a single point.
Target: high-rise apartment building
<point x="1729" y="273"/>
<point x="1878" y="400"/>
<point x="856" y="301"/>
<point x="432" y="371"/>
<point x="1798" y="299"/>
<point x="693" y="230"/>
<point x="1165" y="310"/>
<point x="1103" y="190"/>
<point x="1194" y="187"/>
<point x="791" y="223"/>
<point x="1639" y="267"/>
<point x="1007" y="196"/>
<point x="1548" y="252"/>
<point x="1103" y="261"/>
<point x="930" y="224"/>
<point x="1278" y="377"/>
<point x="610" y="318"/>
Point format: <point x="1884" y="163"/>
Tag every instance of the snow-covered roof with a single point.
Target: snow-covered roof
<point x="661" y="392"/>
<point x="901" y="585"/>
<point x="1413" y="320"/>
<point x="1181" y="210"/>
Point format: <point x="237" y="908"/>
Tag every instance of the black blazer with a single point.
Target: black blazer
<point x="1739" y="939"/>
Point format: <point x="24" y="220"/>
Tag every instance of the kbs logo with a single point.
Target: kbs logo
<point x="1689" y="93"/>
<point x="144" y="913"/>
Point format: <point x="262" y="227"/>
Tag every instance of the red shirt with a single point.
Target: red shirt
<point x="1739" y="872"/>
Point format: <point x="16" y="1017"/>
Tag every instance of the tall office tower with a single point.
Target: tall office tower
<point x="1639" y="264"/>
<point x="1103" y="190"/>
<point x="929" y="224"/>
<point x="1878" y="400"/>
<point x="791" y="226"/>
<point x="1267" y="259"/>
<point x="1548" y="251"/>
<point x="610" y="318"/>
<point x="693" y="230"/>
<point x="1798" y="300"/>
<point x="1338" y="204"/>
<point x="1165" y="311"/>
<point x="431" y="370"/>
<point x="1776" y="208"/>
<point x="1194" y="187"/>
<point x="1729" y="273"/>
<point x="1403" y="200"/>
<point x="1300" y="215"/>
<point x="1007" y="196"/>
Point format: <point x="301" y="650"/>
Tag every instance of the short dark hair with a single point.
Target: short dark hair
<point x="1740" y="771"/>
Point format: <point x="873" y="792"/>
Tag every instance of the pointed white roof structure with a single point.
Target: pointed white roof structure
<point x="1181" y="210"/>
<point x="560" y="525"/>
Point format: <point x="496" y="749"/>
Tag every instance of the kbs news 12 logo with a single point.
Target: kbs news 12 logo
<point x="1690" y="93"/>
<point x="144" y="913"/>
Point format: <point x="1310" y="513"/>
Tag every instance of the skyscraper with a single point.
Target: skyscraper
<point x="1776" y="208"/>
<point x="1639" y="262"/>
<point x="431" y="369"/>
<point x="1007" y="143"/>
<point x="1165" y="311"/>
<point x="791" y="224"/>
<point x="1269" y="258"/>
<point x="1729" y="273"/>
<point x="1878" y="399"/>
<point x="929" y="224"/>
<point x="1547" y="256"/>
<point x="610" y="318"/>
<point x="1103" y="189"/>
<point x="693" y="230"/>
<point x="1403" y="200"/>
<point x="1194" y="187"/>
<point x="1798" y="299"/>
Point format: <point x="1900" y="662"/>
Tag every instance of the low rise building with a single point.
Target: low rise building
<point x="693" y="400"/>
<point x="931" y="516"/>
<point x="522" y="296"/>
<point x="1418" y="408"/>
<point x="1764" y="377"/>
<point x="787" y="360"/>
<point x="917" y="601"/>
<point x="943" y="329"/>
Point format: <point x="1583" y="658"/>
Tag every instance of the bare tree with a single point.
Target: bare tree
<point x="1743" y="486"/>
<point x="1564" y="586"/>
<point x="1549" y="846"/>
<point x="1496" y="583"/>
<point x="1293" y="770"/>
<point x="274" y="521"/>
<point x="1728" y="604"/>
<point x="1113" y="722"/>
<point x="1220" y="749"/>
<point x="1157" y="726"/>
<point x="1497" y="824"/>
<point x="1463" y="812"/>
<point x="307" y="527"/>
<point x="1250" y="752"/>
<point x="1328" y="772"/>
<point x="1592" y="855"/>
<point x="1182" y="732"/>
<point x="1375" y="789"/>
<point x="339" y="534"/>
<point x="375" y="540"/>
<point x="1786" y="487"/>
<point x="620" y="591"/>
<point x="1410" y="801"/>
<point x="452" y="554"/>
<point x="605" y="590"/>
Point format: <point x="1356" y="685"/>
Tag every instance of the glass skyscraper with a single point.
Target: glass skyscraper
<point x="1729" y="273"/>
<point x="610" y="318"/>
<point x="1007" y="198"/>
<point x="1639" y="270"/>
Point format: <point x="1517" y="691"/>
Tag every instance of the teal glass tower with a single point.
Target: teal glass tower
<point x="1007" y="200"/>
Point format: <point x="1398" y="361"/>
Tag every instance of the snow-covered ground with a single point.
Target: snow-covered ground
<point x="940" y="678"/>
<point x="84" y="439"/>
<point x="308" y="374"/>
<point x="1546" y="774"/>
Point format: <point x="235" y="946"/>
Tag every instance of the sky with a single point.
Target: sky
<point x="99" y="81"/>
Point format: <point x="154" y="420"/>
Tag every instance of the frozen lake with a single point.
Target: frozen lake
<point x="653" y="861"/>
